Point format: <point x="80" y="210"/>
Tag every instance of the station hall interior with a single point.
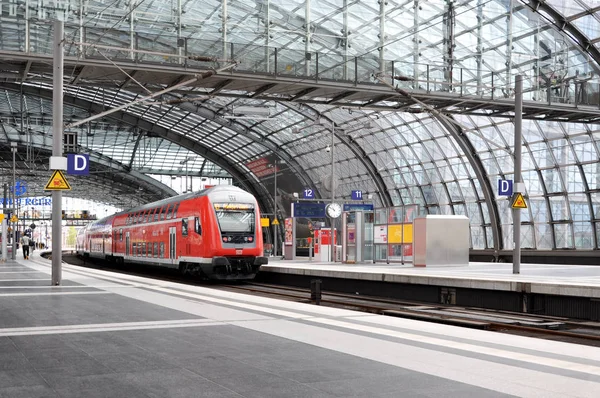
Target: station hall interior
<point x="410" y="102"/>
<point x="482" y="112"/>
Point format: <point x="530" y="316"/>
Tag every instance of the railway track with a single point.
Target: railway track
<point x="554" y="328"/>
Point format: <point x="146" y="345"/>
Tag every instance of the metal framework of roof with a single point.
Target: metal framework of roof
<point x="317" y="64"/>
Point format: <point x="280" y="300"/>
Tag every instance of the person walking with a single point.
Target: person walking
<point x="25" y="245"/>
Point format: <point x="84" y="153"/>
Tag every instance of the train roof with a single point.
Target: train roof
<point x="173" y="199"/>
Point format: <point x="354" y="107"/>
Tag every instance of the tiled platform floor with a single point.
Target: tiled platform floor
<point x="102" y="334"/>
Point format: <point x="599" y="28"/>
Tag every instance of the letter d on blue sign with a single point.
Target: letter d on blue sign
<point x="505" y="187"/>
<point x="78" y="164"/>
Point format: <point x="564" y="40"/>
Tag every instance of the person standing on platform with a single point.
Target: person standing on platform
<point x="25" y="245"/>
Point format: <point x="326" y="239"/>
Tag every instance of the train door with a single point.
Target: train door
<point x="127" y="243"/>
<point x="172" y="243"/>
<point x="103" y="243"/>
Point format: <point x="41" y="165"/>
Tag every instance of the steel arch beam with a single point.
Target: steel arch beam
<point x="488" y="192"/>
<point x="148" y="127"/>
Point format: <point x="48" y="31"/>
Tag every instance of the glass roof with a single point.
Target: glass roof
<point x="479" y="43"/>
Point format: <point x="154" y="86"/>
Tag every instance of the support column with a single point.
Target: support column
<point x="518" y="178"/>
<point x="449" y="20"/>
<point x="276" y="226"/>
<point x="57" y="148"/>
<point x="4" y="225"/>
<point x="332" y="188"/>
<point x="479" y="52"/>
<point x="382" y="36"/>
<point x="416" y="43"/>
<point x="224" y="27"/>
<point x="307" y="39"/>
<point x="13" y="148"/>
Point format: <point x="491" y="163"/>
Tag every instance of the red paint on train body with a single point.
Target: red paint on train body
<point x="215" y="233"/>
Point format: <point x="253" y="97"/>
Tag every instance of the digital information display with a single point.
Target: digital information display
<point x="233" y="206"/>
<point x="309" y="210"/>
<point x="357" y="207"/>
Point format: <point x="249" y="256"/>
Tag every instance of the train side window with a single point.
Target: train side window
<point x="184" y="227"/>
<point x="143" y="254"/>
<point x="149" y="249"/>
<point x="162" y="250"/>
<point x="156" y="213"/>
<point x="121" y="234"/>
<point x="155" y="249"/>
<point x="170" y="211"/>
<point x="175" y="210"/>
<point x="133" y="249"/>
<point x="197" y="226"/>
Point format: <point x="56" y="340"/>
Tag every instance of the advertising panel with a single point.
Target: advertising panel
<point x="289" y="236"/>
<point x="380" y="234"/>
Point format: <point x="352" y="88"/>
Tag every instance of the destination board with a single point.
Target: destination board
<point x="308" y="210"/>
<point x="358" y="207"/>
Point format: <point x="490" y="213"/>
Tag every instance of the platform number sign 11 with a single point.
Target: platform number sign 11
<point x="357" y="195"/>
<point x="308" y="193"/>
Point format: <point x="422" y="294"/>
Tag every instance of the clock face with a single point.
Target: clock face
<point x="334" y="210"/>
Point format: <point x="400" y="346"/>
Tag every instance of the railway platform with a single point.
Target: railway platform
<point x="550" y="289"/>
<point x="105" y="334"/>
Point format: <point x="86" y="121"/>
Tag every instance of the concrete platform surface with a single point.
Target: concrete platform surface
<point x="104" y="334"/>
<point x="555" y="279"/>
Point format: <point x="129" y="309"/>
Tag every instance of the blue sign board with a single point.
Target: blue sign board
<point x="357" y="195"/>
<point x="358" y="207"/>
<point x="505" y="187"/>
<point x="78" y="164"/>
<point x="308" y="210"/>
<point x="308" y="193"/>
<point x="20" y="188"/>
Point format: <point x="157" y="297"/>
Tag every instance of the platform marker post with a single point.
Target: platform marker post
<point x="4" y="225"/>
<point x="518" y="177"/>
<point x="57" y="147"/>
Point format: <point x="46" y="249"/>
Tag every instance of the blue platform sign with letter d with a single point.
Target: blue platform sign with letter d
<point x="505" y="187"/>
<point x="78" y="164"/>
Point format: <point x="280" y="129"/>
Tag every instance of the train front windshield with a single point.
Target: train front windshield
<point x="236" y="220"/>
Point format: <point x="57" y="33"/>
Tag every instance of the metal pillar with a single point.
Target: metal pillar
<point x="13" y="149"/>
<point x="4" y="224"/>
<point x="382" y="36"/>
<point x="518" y="178"/>
<point x="57" y="147"/>
<point x="275" y="226"/>
<point x="332" y="189"/>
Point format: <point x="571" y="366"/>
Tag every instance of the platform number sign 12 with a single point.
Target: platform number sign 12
<point x="357" y="195"/>
<point x="308" y="193"/>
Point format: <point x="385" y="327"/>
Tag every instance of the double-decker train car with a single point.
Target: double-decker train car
<point x="214" y="233"/>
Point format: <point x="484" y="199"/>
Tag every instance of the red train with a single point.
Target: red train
<point x="214" y="233"/>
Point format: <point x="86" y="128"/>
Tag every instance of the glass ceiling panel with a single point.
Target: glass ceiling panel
<point x="410" y="150"/>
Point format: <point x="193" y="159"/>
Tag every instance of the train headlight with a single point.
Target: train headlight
<point x="250" y="239"/>
<point x="245" y="239"/>
<point x="224" y="239"/>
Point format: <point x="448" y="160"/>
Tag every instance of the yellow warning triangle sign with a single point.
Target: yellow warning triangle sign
<point x="57" y="182"/>
<point x="519" y="202"/>
<point x="275" y="222"/>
